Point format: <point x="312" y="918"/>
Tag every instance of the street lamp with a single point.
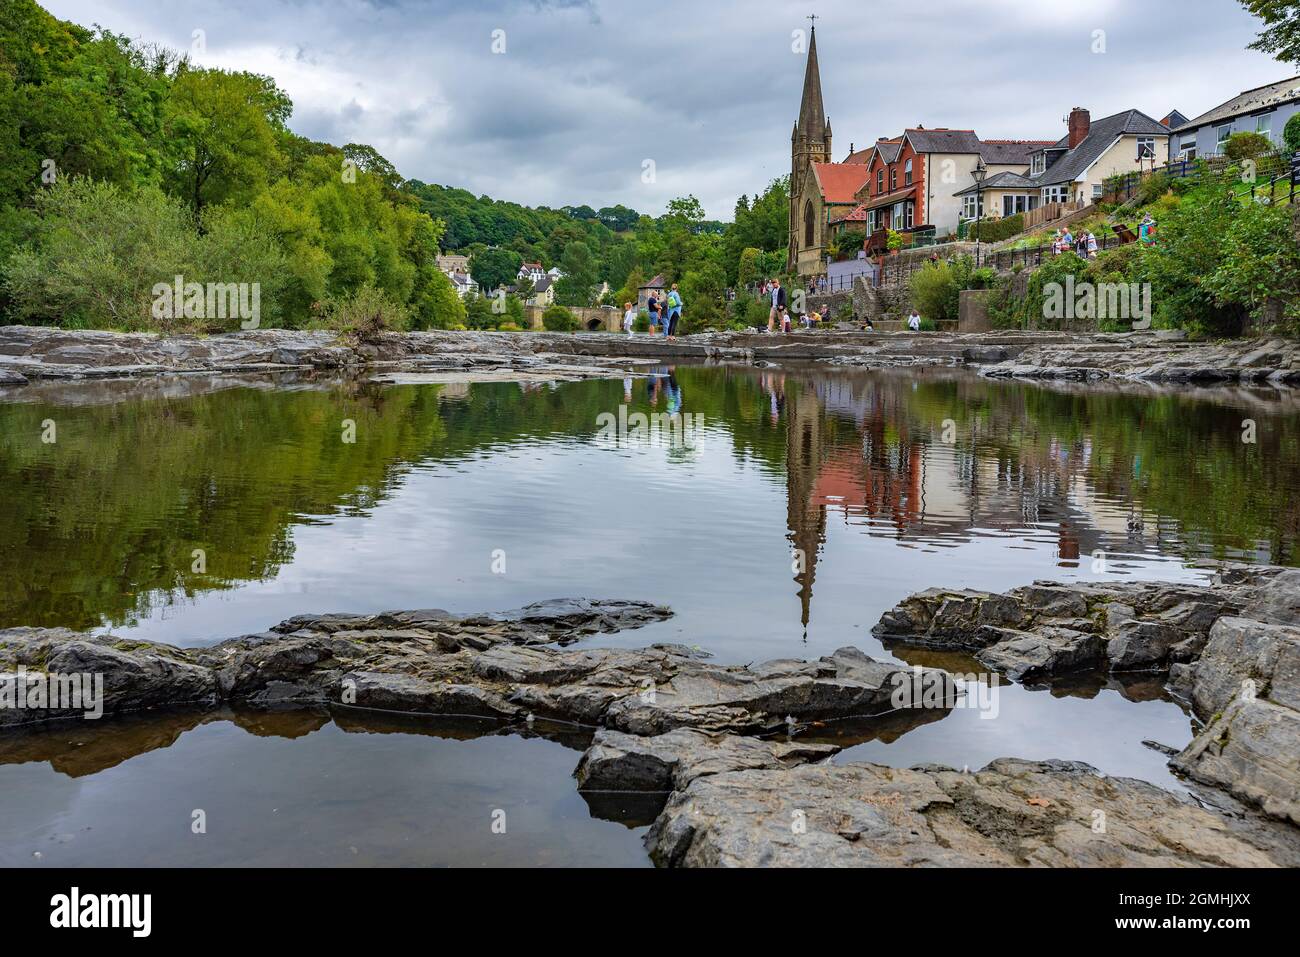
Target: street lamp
<point x="978" y="174"/>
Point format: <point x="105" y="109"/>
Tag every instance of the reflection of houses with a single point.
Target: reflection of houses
<point x="861" y="449"/>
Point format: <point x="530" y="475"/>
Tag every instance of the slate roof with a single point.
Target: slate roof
<point x="1174" y="120"/>
<point x="1101" y="134"/>
<point x="888" y="150"/>
<point x="1261" y="98"/>
<point x="1010" y="152"/>
<point x="943" y="141"/>
<point x="1003" y="181"/>
<point x="839" y="181"/>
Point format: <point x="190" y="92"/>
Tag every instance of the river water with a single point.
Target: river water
<point x="802" y="505"/>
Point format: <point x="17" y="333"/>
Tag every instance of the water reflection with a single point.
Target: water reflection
<point x="107" y="526"/>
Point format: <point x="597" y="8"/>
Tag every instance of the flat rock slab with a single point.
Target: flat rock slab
<point x="669" y="762"/>
<point x="1012" y="813"/>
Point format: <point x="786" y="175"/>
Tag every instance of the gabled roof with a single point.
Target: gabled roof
<point x="943" y="141"/>
<point x="888" y="148"/>
<point x="1002" y="181"/>
<point x="859" y="156"/>
<point x="1261" y="98"/>
<point x="656" y="283"/>
<point x="542" y="284"/>
<point x="1101" y="134"/>
<point x="1174" y="120"/>
<point x="1010" y="152"/>
<point x="839" y="181"/>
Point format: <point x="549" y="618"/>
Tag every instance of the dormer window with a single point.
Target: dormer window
<point x="1039" y="163"/>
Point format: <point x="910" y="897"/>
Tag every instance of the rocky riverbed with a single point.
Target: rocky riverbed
<point x="39" y="353"/>
<point x="731" y="751"/>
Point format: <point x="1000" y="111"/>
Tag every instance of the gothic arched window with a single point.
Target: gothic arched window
<point x="808" y="224"/>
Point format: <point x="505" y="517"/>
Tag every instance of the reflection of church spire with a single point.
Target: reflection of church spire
<point x="805" y="519"/>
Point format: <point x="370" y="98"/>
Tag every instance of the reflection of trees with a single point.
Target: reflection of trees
<point x="101" y="524"/>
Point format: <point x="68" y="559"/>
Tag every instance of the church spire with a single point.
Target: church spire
<point x="812" y="115"/>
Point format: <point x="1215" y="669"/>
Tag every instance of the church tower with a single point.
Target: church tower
<point x="810" y="143"/>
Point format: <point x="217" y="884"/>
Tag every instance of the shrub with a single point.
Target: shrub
<point x="935" y="290"/>
<point x="97" y="254"/>
<point x="559" y="319"/>
<point x="996" y="230"/>
<point x="1291" y="134"/>
<point x="1245" y="145"/>
<point x="366" y="313"/>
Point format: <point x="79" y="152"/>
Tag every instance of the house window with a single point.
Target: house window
<point x="893" y="178"/>
<point x="909" y="211"/>
<point x="1224" y="132"/>
<point x="880" y="181"/>
<point x="1264" y="125"/>
<point x="1055" y="194"/>
<point x="1146" y="147"/>
<point x="907" y="174"/>
<point x="968" y="207"/>
<point x="1096" y="191"/>
<point x="1039" y="163"/>
<point x="808" y="224"/>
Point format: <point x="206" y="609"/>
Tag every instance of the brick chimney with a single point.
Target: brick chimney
<point x="1079" y="123"/>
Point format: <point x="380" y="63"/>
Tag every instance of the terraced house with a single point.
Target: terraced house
<point x="1070" y="172"/>
<point x="913" y="179"/>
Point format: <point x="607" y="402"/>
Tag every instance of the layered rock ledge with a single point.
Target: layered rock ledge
<point x="33" y="353"/>
<point x="500" y="666"/>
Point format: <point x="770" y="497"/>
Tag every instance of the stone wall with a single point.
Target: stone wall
<point x="973" y="311"/>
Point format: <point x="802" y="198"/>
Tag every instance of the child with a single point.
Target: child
<point x="629" y="317"/>
<point x="914" y="321"/>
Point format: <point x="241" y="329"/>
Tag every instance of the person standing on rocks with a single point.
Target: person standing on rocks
<point x="778" y="306"/>
<point x="653" y="306"/>
<point x="674" y="312"/>
<point x="629" y="317"/>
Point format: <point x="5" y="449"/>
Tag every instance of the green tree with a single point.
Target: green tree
<point x="1281" y="34"/>
<point x="579" y="268"/>
<point x="493" y="268"/>
<point x="223" y="128"/>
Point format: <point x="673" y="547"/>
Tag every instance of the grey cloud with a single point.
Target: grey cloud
<point x="709" y="90"/>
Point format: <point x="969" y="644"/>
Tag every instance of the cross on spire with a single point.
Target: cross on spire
<point x="813" y="18"/>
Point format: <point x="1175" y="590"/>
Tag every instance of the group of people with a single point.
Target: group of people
<point x="665" y="313"/>
<point x="1084" y="245"/>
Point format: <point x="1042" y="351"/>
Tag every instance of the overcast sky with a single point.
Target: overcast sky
<point x="587" y="90"/>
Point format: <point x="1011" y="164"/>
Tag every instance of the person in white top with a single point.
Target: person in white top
<point x="914" y="321"/>
<point x="629" y="317"/>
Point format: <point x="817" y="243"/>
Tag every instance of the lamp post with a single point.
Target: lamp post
<point x="978" y="174"/>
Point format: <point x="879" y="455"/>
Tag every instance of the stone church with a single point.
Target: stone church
<point x="820" y="190"/>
